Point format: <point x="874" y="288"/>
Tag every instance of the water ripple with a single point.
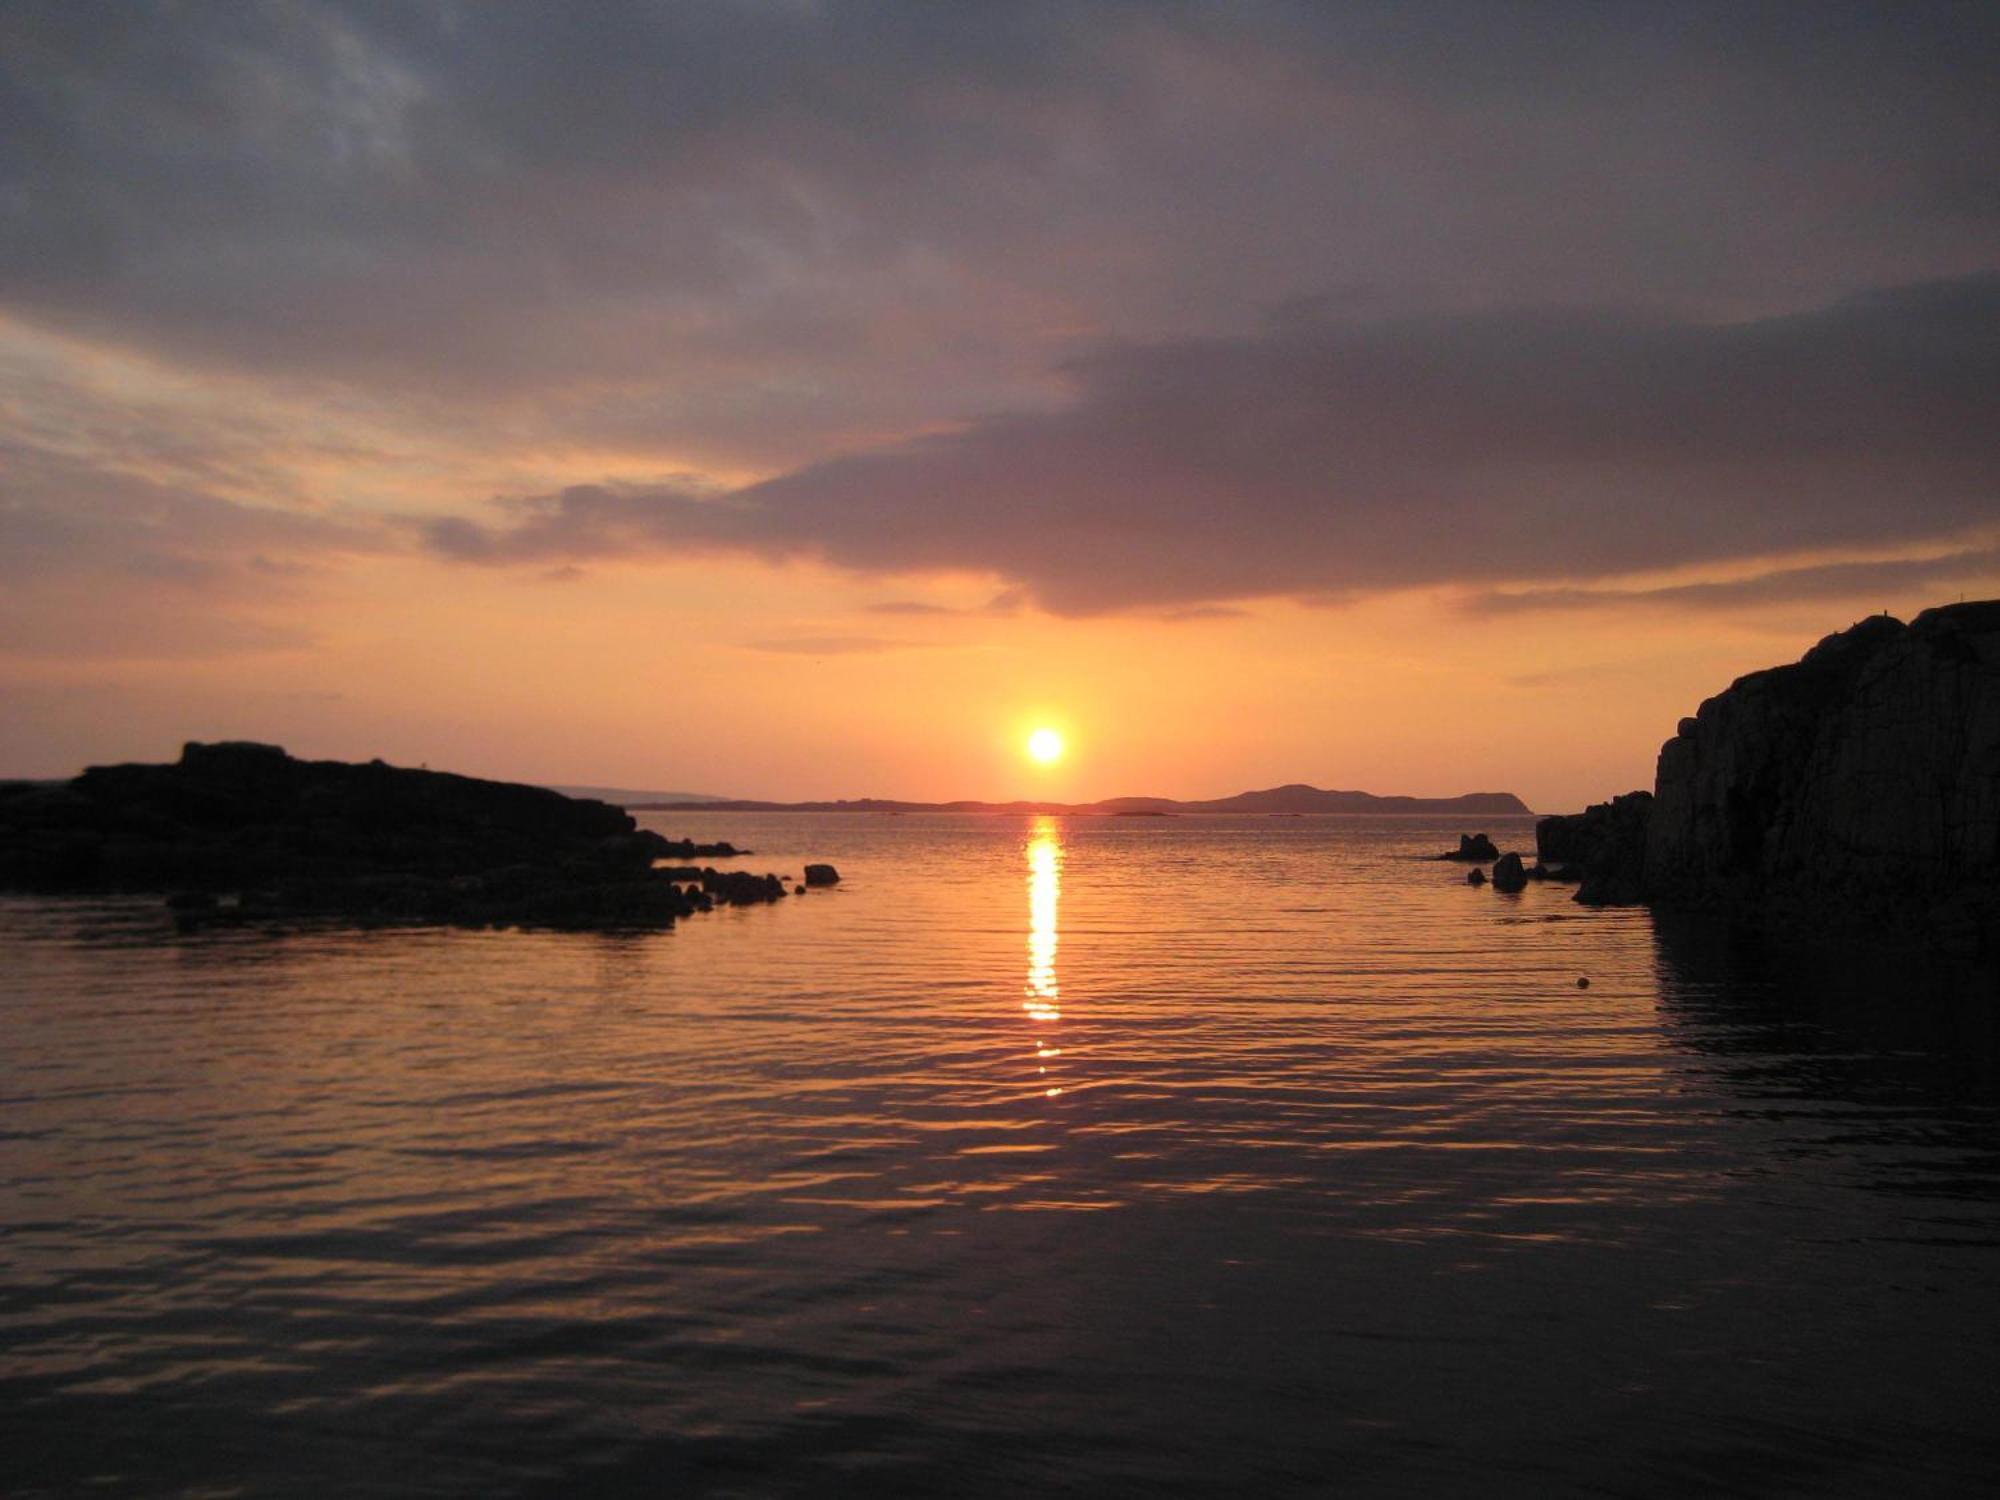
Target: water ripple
<point x="1178" y="1155"/>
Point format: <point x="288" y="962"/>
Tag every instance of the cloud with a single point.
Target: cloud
<point x="97" y="563"/>
<point x="1195" y="612"/>
<point x="63" y="516"/>
<point x="1850" y="580"/>
<point x="1006" y="602"/>
<point x="1327" y="457"/>
<point x="832" y="645"/>
<point x="142" y="631"/>
<point x="764" y="231"/>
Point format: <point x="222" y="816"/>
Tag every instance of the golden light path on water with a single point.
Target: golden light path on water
<point x="1045" y="853"/>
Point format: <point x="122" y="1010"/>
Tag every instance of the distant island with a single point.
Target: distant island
<point x="1277" y="801"/>
<point x="625" y="796"/>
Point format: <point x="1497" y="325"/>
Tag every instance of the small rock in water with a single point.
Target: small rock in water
<point x="1583" y="984"/>
<point x="822" y="875"/>
<point x="1473" y="846"/>
<point x="798" y="890"/>
<point x="1475" y="877"/>
<point x="1508" y="874"/>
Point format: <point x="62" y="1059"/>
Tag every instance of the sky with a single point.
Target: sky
<point x="800" y="400"/>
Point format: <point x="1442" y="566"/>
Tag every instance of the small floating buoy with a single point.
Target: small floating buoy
<point x="1583" y="984"/>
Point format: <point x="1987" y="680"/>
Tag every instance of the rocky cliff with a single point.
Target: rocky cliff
<point x="1862" y="781"/>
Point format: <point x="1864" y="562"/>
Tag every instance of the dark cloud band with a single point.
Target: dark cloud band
<point x="1328" y="456"/>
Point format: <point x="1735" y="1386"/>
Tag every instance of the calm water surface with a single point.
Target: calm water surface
<point x="1091" y="1156"/>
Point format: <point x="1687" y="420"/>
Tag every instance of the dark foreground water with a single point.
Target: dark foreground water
<point x="1191" y="1156"/>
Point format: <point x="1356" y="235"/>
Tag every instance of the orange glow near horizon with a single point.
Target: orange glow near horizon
<point x="596" y="680"/>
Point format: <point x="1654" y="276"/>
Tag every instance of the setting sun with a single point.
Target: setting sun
<point x="1045" y="746"/>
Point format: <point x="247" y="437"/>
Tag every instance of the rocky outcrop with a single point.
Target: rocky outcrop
<point x="243" y="832"/>
<point x="1509" y="874"/>
<point x="822" y="875"/>
<point x="1474" y="848"/>
<point x="1605" y="844"/>
<point x="1863" y="781"/>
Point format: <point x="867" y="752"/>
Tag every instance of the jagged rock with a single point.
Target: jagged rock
<point x="1604" y="847"/>
<point x="740" y="887"/>
<point x="822" y="875"/>
<point x="1475" y="847"/>
<point x="667" y="848"/>
<point x="1509" y="875"/>
<point x="1475" y="876"/>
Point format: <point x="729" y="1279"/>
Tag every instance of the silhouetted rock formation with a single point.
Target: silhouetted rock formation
<point x="373" y="843"/>
<point x="1474" y="847"/>
<point x="1606" y="843"/>
<point x="740" y="887"/>
<point x="1864" y="780"/>
<point x="822" y="875"/>
<point x="1509" y="875"/>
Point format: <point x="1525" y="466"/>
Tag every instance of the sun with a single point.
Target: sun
<point x="1046" y="746"/>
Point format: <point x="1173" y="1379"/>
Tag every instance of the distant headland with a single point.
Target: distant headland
<point x="1277" y="801"/>
<point x="239" y="832"/>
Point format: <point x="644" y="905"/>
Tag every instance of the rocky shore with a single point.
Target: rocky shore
<point x="241" y="832"/>
<point x="1858" y="787"/>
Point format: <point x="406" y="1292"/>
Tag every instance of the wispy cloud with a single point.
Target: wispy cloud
<point x="97" y="562"/>
<point x="1006" y="602"/>
<point x="832" y="645"/>
<point x="1849" y="580"/>
<point x="1197" y="612"/>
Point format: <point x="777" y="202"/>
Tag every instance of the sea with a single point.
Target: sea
<point x="1091" y="1156"/>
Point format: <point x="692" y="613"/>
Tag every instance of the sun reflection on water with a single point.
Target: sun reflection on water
<point x="1045" y="854"/>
